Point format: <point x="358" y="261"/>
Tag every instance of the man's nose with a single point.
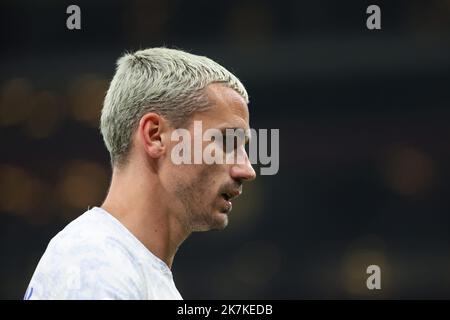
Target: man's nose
<point x="243" y="172"/>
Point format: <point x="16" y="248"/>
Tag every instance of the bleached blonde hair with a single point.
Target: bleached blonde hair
<point x="165" y="81"/>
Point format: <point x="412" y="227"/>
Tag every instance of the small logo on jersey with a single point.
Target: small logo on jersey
<point x="28" y="293"/>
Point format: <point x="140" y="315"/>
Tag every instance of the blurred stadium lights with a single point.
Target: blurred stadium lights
<point x="86" y="96"/>
<point x="251" y="23"/>
<point x="82" y="183"/>
<point x="147" y="19"/>
<point x="21" y="192"/>
<point x="409" y="171"/>
<point x="46" y="116"/>
<point x="16" y="101"/>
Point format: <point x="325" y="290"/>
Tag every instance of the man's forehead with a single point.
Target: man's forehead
<point x="228" y="108"/>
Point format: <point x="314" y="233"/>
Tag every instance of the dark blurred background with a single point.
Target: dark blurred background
<point x="364" y="139"/>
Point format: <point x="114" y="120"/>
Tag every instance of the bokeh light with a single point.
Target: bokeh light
<point x="16" y="101"/>
<point x="21" y="192"/>
<point x="409" y="171"/>
<point x="86" y="96"/>
<point x="82" y="184"/>
<point x="46" y="116"/>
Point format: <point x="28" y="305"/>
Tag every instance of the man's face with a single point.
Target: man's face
<point x="204" y="192"/>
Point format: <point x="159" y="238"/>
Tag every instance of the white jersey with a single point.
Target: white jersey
<point x="96" y="257"/>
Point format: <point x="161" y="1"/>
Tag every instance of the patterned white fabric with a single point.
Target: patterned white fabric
<point x="96" y="257"/>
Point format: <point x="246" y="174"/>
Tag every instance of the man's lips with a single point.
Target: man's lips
<point x="228" y="196"/>
<point x="227" y="205"/>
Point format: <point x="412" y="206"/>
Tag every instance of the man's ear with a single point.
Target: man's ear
<point x="151" y="129"/>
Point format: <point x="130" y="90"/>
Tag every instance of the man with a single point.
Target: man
<point x="125" y="248"/>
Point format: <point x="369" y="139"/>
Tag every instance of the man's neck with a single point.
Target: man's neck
<point x="136" y="201"/>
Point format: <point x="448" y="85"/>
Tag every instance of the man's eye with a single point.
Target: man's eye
<point x="230" y="143"/>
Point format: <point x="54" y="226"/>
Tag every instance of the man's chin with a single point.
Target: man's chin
<point x="218" y="222"/>
<point x="221" y="223"/>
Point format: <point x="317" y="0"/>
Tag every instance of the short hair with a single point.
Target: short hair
<point x="165" y="81"/>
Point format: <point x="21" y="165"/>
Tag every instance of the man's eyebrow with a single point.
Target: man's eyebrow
<point x="247" y="135"/>
<point x="223" y="129"/>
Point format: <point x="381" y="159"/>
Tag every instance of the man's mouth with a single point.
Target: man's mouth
<point x="227" y="206"/>
<point x="228" y="196"/>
